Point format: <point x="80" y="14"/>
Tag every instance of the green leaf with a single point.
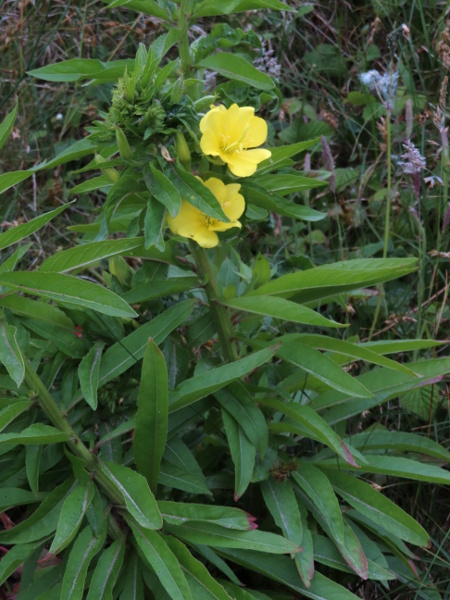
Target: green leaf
<point x="77" y="150"/>
<point x="68" y="290"/>
<point x="19" y="232"/>
<point x="227" y="7"/>
<point x="11" y="497"/>
<point x="319" y="365"/>
<point x="13" y="559"/>
<point x="281" y="153"/>
<point x="43" y="520"/>
<point x="242" y="453"/>
<point x="88" y="372"/>
<point x="239" y="403"/>
<point x="35" y="434"/>
<point x="180" y="478"/>
<point x="154" y="225"/>
<point x="33" y="456"/>
<point x="126" y="353"/>
<point x="283" y="570"/>
<point x="160" y="288"/>
<point x="9" y="413"/>
<point x="178" y="453"/>
<point x="10" y="354"/>
<point x="274" y="202"/>
<point x="364" y="498"/>
<point x="66" y="341"/>
<point x="194" y="191"/>
<point x="9" y="180"/>
<point x="37" y="310"/>
<point x="280" y="308"/>
<point x="220" y="537"/>
<point x="355" y="351"/>
<point x="209" y="382"/>
<point x="11" y="262"/>
<point x="71" y="516"/>
<point x="147" y="7"/>
<point x="80" y="257"/>
<point x="85" y="547"/>
<point x="162" y="561"/>
<point x="235" y="67"/>
<point x="335" y="278"/>
<point x="150" y="433"/>
<point x="107" y="571"/>
<point x="162" y="189"/>
<point x="90" y="185"/>
<point x="313" y="422"/>
<point x="397" y="467"/>
<point x="398" y="441"/>
<point x="288" y="183"/>
<point x="201" y="583"/>
<point x="7" y="124"/>
<point x="133" y="587"/>
<point x="282" y="504"/>
<point x="76" y="69"/>
<point x="318" y="489"/>
<point x="137" y="495"/>
<point x="177" y="513"/>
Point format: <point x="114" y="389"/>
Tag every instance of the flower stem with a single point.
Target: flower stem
<point x="218" y="312"/>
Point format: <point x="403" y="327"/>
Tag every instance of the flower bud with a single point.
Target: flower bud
<point x="120" y="269"/>
<point x="122" y="142"/>
<point x="182" y="149"/>
<point x="112" y="174"/>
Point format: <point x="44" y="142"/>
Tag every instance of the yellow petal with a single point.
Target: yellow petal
<point x="234" y="205"/>
<point x="236" y="120"/>
<point x="210" y="143"/>
<point x="256" y="134"/>
<point x="206" y="238"/>
<point x="218" y="188"/>
<point x="221" y="226"/>
<point x="187" y="221"/>
<point x="213" y="119"/>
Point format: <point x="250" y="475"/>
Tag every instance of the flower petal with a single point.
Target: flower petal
<point x="210" y="143"/>
<point x="187" y="221"/>
<point x="206" y="238"/>
<point x="213" y="119"/>
<point x="256" y="134"/>
<point x="221" y="226"/>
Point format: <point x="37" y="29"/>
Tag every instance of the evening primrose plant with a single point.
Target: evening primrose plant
<point x="175" y="422"/>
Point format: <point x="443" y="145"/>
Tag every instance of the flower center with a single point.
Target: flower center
<point x="236" y="146"/>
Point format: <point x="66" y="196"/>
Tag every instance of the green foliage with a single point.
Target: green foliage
<point x="157" y="383"/>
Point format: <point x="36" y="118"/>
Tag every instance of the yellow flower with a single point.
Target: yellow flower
<point x="228" y="133"/>
<point x="193" y="223"/>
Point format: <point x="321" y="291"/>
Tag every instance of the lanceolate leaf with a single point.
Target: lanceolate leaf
<point x="326" y="280"/>
<point x="9" y="413"/>
<point x="318" y="489"/>
<point x="80" y="257"/>
<point x="8" y="180"/>
<point x="281" y="153"/>
<point x="242" y="452"/>
<point x="72" y="515"/>
<point x="17" y="233"/>
<point x="137" y="495"/>
<point x="282" y="569"/>
<point x="280" y="308"/>
<point x="282" y="504"/>
<point x="201" y="583"/>
<point x="235" y="67"/>
<point x="85" y="547"/>
<point x="206" y="9"/>
<point x="7" y="124"/>
<point x="208" y="382"/>
<point x="38" y="433"/>
<point x="10" y="354"/>
<point x="150" y="433"/>
<point x="13" y="559"/>
<point x="10" y="497"/>
<point x="311" y="420"/>
<point x="107" y="571"/>
<point x="374" y="505"/>
<point x="177" y="513"/>
<point x="68" y="290"/>
<point x="221" y="537"/>
<point x="88" y="372"/>
<point x="162" y="189"/>
<point x="162" y="561"/>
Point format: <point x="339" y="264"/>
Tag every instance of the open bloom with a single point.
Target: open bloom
<point x="230" y="132"/>
<point x="193" y="223"/>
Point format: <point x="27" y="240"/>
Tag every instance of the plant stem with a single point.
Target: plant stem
<point x="218" y="312"/>
<point x="59" y="420"/>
